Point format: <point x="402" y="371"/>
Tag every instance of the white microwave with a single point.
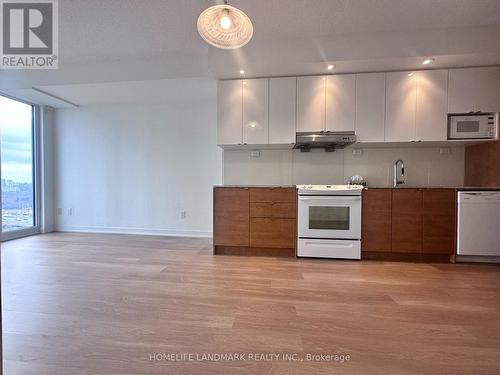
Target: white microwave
<point x="473" y="126"/>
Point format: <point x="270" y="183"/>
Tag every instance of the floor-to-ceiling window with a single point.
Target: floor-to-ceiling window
<point x="18" y="168"/>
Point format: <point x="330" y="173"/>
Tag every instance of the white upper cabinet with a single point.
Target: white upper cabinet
<point x="229" y="112"/>
<point x="474" y="89"/>
<point x="340" y="102"/>
<point x="462" y="91"/>
<point x="401" y="99"/>
<point x="416" y="106"/>
<point x="311" y="104"/>
<point x="255" y="111"/>
<point x="432" y="105"/>
<point x="243" y="112"/>
<point x="379" y="107"/>
<point x="370" y="107"/>
<point x="488" y="91"/>
<point x="282" y="110"/>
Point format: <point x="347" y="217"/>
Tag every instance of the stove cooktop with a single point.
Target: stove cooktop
<point x="330" y="189"/>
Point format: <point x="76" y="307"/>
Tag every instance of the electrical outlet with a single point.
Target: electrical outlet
<point x="357" y="152"/>
<point x="444" y="151"/>
<point x="254" y="154"/>
<point x="183" y="214"/>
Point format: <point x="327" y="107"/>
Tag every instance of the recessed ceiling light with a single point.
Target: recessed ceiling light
<point x="410" y="74"/>
<point x="242" y="71"/>
<point x="224" y="26"/>
<point x="427" y="61"/>
<point x="330" y="67"/>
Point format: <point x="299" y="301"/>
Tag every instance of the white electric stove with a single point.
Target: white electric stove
<point x="329" y="221"/>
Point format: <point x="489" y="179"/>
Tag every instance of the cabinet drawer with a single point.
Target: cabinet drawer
<point x="273" y="209"/>
<point x="273" y="195"/>
<point x="271" y="232"/>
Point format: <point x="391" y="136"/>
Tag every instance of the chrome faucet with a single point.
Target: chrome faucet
<point x="399" y="180"/>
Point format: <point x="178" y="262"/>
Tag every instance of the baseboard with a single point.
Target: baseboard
<point x="47" y="229"/>
<point x="406" y="257"/>
<point x="254" y="251"/>
<point x="477" y="259"/>
<point x="131" y="230"/>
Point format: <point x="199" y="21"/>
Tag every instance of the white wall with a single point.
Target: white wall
<point x="423" y="166"/>
<point x="134" y="168"/>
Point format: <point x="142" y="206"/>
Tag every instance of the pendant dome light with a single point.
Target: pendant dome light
<point x="224" y="26"/>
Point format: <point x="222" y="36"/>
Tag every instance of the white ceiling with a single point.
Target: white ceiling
<point x="145" y="40"/>
<point x="96" y="30"/>
<point x="176" y="90"/>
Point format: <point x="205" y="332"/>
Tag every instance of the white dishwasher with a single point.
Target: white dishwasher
<point x="478" y="231"/>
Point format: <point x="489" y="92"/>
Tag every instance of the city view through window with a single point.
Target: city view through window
<point x="16" y="146"/>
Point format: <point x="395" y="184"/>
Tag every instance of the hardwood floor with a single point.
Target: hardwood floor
<point x="101" y="304"/>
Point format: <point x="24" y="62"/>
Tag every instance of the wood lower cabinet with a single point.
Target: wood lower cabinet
<point x="376" y="231"/>
<point x="269" y="216"/>
<point x="438" y="221"/>
<point x="273" y="209"/>
<point x="407" y="220"/>
<point x="408" y="224"/>
<point x="231" y="217"/>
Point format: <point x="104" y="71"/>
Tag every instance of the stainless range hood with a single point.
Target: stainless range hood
<point x="330" y="141"/>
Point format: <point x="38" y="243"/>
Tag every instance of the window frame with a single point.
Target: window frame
<point x="36" y="158"/>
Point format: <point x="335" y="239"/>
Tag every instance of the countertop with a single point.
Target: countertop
<point x="258" y="186"/>
<point x="466" y="188"/>
<point x="410" y="187"/>
<point x="479" y="188"/>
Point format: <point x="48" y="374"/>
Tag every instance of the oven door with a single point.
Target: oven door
<point x="335" y="217"/>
